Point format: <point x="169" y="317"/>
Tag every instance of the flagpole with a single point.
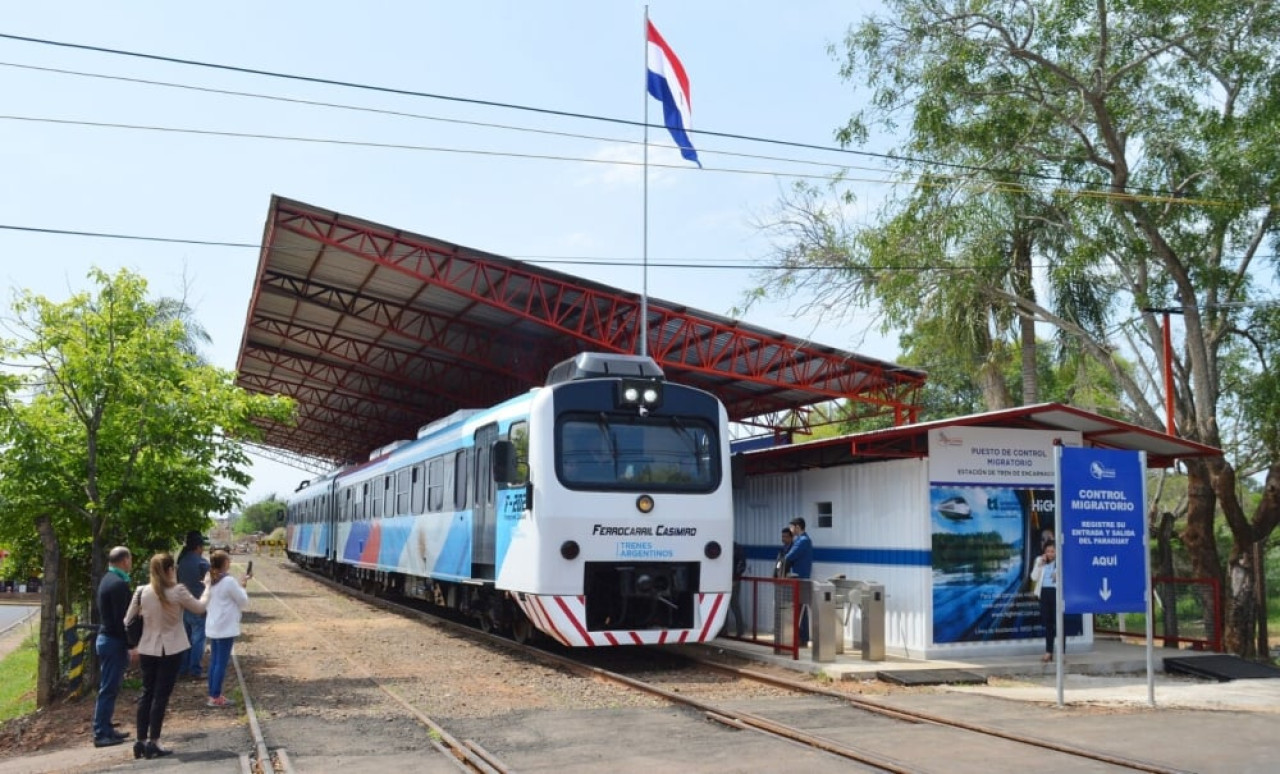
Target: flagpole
<point x="644" y="252"/>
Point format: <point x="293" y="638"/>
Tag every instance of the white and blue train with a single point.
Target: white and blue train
<point x="596" y="509"/>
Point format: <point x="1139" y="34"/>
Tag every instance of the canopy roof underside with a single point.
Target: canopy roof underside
<point x="375" y="332"/>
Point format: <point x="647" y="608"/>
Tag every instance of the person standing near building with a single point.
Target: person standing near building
<point x="112" y="646"/>
<point x="192" y="569"/>
<point x="735" y="596"/>
<point x="800" y="564"/>
<point x="225" y="598"/>
<point x="780" y="568"/>
<point x="1045" y="575"/>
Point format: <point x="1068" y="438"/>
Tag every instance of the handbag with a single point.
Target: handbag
<point x="133" y="631"/>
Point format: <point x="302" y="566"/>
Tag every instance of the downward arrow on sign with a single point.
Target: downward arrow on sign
<point x="1105" y="591"/>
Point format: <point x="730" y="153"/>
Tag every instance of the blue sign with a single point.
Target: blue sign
<point x="1102" y="518"/>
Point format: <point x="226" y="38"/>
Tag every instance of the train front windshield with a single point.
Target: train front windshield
<point x="626" y="452"/>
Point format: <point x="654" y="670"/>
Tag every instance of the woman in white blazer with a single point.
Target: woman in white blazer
<point x="161" y="649"/>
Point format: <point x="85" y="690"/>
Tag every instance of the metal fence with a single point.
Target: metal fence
<point x="772" y="608"/>
<point x="1187" y="611"/>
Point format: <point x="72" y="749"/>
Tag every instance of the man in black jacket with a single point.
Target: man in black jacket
<point x="735" y="596"/>
<point x="112" y="646"/>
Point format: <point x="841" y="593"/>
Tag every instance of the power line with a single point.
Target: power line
<point x="1014" y="188"/>
<point x="415" y="116"/>
<point x="534" y="259"/>
<point x="557" y="113"/>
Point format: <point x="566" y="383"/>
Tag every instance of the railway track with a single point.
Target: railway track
<point x="841" y="721"/>
<point x="469" y="755"/>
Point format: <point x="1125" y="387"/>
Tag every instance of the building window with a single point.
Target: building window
<point x="824" y="515"/>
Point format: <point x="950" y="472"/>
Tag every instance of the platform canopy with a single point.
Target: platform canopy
<point x="912" y="440"/>
<point x="375" y="331"/>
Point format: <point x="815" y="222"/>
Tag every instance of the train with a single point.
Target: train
<point x="595" y="510"/>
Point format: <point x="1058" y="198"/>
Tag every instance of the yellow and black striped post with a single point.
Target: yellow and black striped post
<point x="75" y="645"/>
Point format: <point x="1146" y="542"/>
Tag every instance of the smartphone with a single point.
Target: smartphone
<point x="249" y="571"/>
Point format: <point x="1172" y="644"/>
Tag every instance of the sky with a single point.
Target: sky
<point x="86" y="146"/>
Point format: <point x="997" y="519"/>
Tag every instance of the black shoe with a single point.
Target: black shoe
<point x="154" y="750"/>
<point x="121" y="735"/>
<point x="139" y="749"/>
<point x="107" y="741"/>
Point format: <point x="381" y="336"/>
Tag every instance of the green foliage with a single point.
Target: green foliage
<point x="18" y="681"/>
<point x="261" y="516"/>
<point x="115" y="432"/>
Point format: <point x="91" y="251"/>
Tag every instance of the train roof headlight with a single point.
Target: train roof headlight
<point x="640" y="394"/>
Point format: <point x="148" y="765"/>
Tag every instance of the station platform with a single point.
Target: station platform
<point x="1111" y="673"/>
<point x="1106" y="657"/>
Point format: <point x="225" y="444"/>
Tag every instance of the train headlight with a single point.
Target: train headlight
<point x="569" y="549"/>
<point x="639" y="394"/>
<point x="644" y="504"/>
<point x="712" y="550"/>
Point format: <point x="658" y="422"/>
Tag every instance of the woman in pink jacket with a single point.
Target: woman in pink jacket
<point x="162" y="647"/>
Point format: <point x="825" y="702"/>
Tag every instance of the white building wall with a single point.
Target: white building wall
<point x="879" y="532"/>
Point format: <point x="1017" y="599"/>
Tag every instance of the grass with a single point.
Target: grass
<point x="18" y="680"/>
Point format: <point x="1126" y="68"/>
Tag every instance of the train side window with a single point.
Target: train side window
<point x="402" y="490"/>
<point x="418" y="498"/>
<point x="363" y="504"/>
<point x="435" y="485"/>
<point x="460" y="480"/>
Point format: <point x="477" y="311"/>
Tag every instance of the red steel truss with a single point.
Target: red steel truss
<point x="375" y="331"/>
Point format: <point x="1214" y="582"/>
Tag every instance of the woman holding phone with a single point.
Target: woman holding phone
<point x="226" y="599"/>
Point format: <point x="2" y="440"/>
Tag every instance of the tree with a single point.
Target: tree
<point x="262" y="516"/>
<point x="114" y="433"/>
<point x="1139" y="136"/>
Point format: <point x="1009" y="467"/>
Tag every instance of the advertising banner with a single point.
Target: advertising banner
<point x="1104" y="544"/>
<point x="991" y="511"/>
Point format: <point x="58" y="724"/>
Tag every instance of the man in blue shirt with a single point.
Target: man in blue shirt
<point x="800" y="560"/>
<point x="192" y="569"/>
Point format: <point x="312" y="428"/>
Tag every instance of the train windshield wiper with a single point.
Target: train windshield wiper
<point x="684" y="432"/>
<point x="602" y="422"/>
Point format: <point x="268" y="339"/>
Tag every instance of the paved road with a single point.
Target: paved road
<point x="15" y="621"/>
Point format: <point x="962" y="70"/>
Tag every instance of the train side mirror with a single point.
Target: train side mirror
<point x="503" y="461"/>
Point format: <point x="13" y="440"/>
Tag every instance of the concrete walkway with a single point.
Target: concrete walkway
<point x="1111" y="673"/>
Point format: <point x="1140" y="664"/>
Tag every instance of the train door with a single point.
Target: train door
<point x="482" y="505"/>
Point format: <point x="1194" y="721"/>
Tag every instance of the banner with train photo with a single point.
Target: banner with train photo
<point x="991" y="497"/>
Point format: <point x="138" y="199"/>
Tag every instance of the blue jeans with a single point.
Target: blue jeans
<point x="113" y="660"/>
<point x="194" y="624"/>
<point x="219" y="661"/>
